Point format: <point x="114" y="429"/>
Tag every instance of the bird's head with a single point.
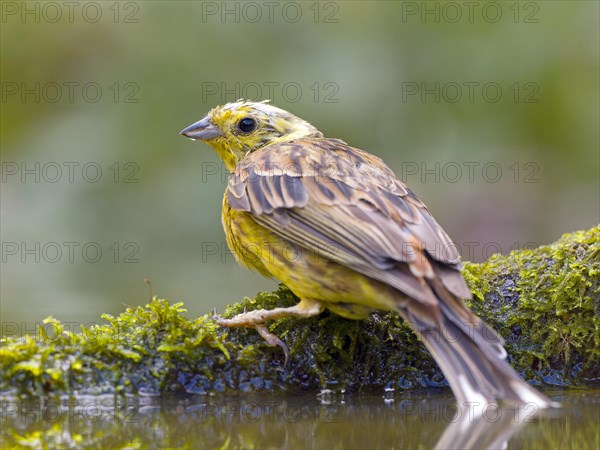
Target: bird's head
<point x="236" y="129"/>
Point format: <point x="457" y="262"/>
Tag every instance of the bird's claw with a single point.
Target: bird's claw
<point x="254" y="319"/>
<point x="272" y="340"/>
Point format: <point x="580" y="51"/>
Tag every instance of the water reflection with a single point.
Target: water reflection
<point x="490" y="428"/>
<point x="308" y="421"/>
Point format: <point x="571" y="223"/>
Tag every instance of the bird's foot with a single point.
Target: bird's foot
<point x="272" y="340"/>
<point x="256" y="319"/>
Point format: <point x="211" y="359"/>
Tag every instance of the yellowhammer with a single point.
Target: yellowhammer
<point x="335" y="225"/>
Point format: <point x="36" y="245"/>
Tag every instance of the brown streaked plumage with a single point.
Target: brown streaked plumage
<point x="360" y="240"/>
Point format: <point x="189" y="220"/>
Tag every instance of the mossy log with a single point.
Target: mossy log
<point x="544" y="301"/>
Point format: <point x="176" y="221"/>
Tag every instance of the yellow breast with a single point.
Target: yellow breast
<point x="307" y="274"/>
<point x="245" y="238"/>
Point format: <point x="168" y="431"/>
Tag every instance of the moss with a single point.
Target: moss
<point x="545" y="301"/>
<point x="136" y="351"/>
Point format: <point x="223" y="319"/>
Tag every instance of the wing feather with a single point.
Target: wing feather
<point x="348" y="206"/>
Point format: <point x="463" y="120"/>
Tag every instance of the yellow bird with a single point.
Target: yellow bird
<point x="335" y="225"/>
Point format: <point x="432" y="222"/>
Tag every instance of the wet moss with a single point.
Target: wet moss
<point x="545" y="301"/>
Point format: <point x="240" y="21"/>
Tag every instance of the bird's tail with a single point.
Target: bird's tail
<point x="472" y="357"/>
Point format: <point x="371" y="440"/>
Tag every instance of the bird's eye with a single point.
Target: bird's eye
<point x="247" y="125"/>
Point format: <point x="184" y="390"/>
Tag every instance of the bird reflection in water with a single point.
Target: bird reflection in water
<point x="488" y="428"/>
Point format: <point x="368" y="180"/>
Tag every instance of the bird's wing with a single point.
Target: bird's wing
<point x="346" y="205"/>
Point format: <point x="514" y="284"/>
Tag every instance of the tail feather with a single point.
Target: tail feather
<point x="472" y="358"/>
<point x="454" y="309"/>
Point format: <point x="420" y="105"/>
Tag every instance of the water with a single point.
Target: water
<point x="327" y="420"/>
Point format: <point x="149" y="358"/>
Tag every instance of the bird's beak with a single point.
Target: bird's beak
<point x="202" y="130"/>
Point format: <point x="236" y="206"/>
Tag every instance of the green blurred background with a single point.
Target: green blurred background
<point x="512" y="162"/>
